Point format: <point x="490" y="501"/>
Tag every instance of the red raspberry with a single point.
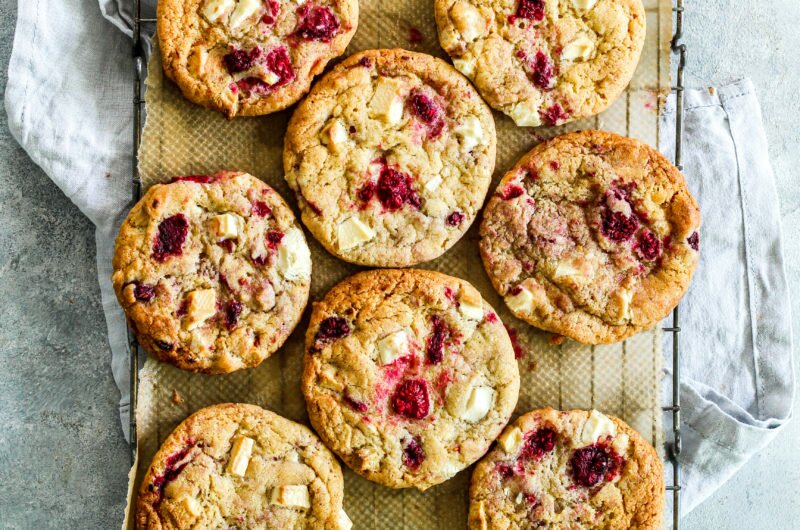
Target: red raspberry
<point x="592" y="464"/>
<point x="512" y="191"/>
<point x="355" y="404"/>
<point x="171" y="236"/>
<point x="617" y="227"/>
<point x="278" y="62"/>
<point x="434" y="346"/>
<point x="241" y="60"/>
<point x="413" y="455"/>
<point x="318" y="24"/>
<point x="144" y="292"/>
<point x="539" y="444"/>
<point x="333" y="328"/>
<point x="274" y="238"/>
<point x="200" y="179"/>
<point x="423" y="107"/>
<point x="694" y="241"/>
<point x="554" y="115"/>
<point x="396" y="189"/>
<point x="410" y="399"/>
<point x="261" y="209"/>
<point x="175" y="464"/>
<point x="531" y="9"/>
<point x="232" y="312"/>
<point x="543" y="71"/>
<point x="455" y="218"/>
<point x="366" y="191"/>
<point x="649" y="246"/>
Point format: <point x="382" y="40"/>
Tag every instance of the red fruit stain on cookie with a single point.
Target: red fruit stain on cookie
<point x="261" y="209"/>
<point x="273" y="8"/>
<point x="512" y="191"/>
<point x="450" y="294"/>
<point x="332" y="328"/>
<point x="232" y="312"/>
<point x="543" y="71"/>
<point x="200" y="179"/>
<point x="413" y="455"/>
<point x="396" y="189"/>
<point x="491" y="318"/>
<point x="554" y="165"/>
<point x="538" y="444"/>
<point x="554" y="115"/>
<point x="366" y="62"/>
<point x="434" y="345"/>
<point x="366" y="192"/>
<point x="317" y="23"/>
<point x="354" y="404"/>
<point x="455" y="218"/>
<point x="171" y="236"/>
<point x="519" y="353"/>
<point x="592" y="464"/>
<point x="274" y="238"/>
<point x="531" y="499"/>
<point x="241" y="60"/>
<point x="649" y="246"/>
<point x="619" y="227"/>
<point x="427" y="111"/>
<point x="227" y="244"/>
<point x="694" y="241"/>
<point x="277" y="62"/>
<point x="505" y="470"/>
<point x="530" y="9"/>
<point x="144" y="292"/>
<point x="410" y="399"/>
<point x="174" y="465"/>
<point x="443" y="381"/>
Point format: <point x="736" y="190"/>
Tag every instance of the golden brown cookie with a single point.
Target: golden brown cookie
<point x="544" y="62"/>
<point x="391" y="156"/>
<point x="409" y="375"/>
<point x="592" y="236"/>
<point x="575" y="469"/>
<point x="251" y="57"/>
<point x="213" y="271"/>
<point x="240" y="466"/>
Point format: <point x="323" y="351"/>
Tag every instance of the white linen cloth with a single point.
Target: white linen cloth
<point x="69" y="104"/>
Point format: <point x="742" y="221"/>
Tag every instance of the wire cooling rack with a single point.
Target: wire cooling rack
<point x="673" y="443"/>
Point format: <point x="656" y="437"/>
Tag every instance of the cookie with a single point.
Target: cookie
<point x="391" y="156"/>
<point x="409" y="375"/>
<point x="251" y="57"/>
<point x="544" y="62"/>
<point x="592" y="236"/>
<point x="240" y="466"/>
<point x="213" y="272"/>
<point x="576" y="469"/>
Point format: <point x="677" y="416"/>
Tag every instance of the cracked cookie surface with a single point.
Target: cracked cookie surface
<point x="544" y="62"/>
<point x="572" y="469"/>
<point x="240" y="466"/>
<point x="391" y="156"/>
<point x="213" y="271"/>
<point x="251" y="57"/>
<point x="592" y="236"/>
<point x="409" y="375"/>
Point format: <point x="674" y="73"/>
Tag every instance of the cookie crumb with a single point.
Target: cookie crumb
<point x="176" y="397"/>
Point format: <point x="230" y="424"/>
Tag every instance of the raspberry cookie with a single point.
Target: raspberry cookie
<point x="544" y="61"/>
<point x="213" y="272"/>
<point x="409" y="375"/>
<point x="240" y="466"/>
<point x="573" y="469"/>
<point x="592" y="236"/>
<point x="391" y="156"/>
<point x="251" y="57"/>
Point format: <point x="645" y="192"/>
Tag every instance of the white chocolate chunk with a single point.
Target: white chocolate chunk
<point x="433" y="184"/>
<point x="343" y="522"/>
<point x="226" y="226"/>
<point x="393" y="346"/>
<point x="240" y="456"/>
<point x="522" y="302"/>
<point x="579" y="267"/>
<point x="244" y="10"/>
<point x="584" y="5"/>
<point x="270" y="77"/>
<point x="201" y="305"/>
<point x="329" y="378"/>
<point x="470" y="304"/>
<point x="623" y="298"/>
<point x="525" y="114"/>
<point x="597" y="426"/>
<point x="190" y="505"/>
<point x="386" y="103"/>
<point x="353" y="232"/>
<point x="213" y="10"/>
<point x="511" y="439"/>
<point x="199" y="341"/>
<point x="519" y="497"/>
<point x="471" y="133"/>
<point x="620" y="443"/>
<point x="468" y="21"/>
<point x="293" y="496"/>
<point x="479" y="402"/>
<point x="335" y="136"/>
<point x="466" y="65"/>
<point x="450" y="468"/>
<point x="294" y="258"/>
<point x="579" y="49"/>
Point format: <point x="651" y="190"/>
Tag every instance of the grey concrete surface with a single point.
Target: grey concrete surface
<point x="62" y="457"/>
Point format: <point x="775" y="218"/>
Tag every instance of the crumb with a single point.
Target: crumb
<point x="712" y="90"/>
<point x="176" y="397"/>
<point x="556" y="340"/>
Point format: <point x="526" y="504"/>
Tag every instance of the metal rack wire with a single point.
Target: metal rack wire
<point x="673" y="446"/>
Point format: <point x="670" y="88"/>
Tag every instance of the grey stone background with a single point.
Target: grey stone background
<point x="63" y="461"/>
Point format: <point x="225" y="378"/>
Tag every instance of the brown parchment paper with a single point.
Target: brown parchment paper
<point x="621" y="379"/>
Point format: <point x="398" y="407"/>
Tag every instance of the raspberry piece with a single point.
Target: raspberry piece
<point x="354" y="404"/>
<point x="511" y="191"/>
<point x="227" y="244"/>
<point x="539" y="444"/>
<point x="261" y="209"/>
<point x="164" y="345"/>
<point x="395" y="189"/>
<point x="366" y="62"/>
<point x="171" y="235"/>
<point x="274" y="238"/>
<point x="232" y="312"/>
<point x="333" y="328"/>
<point x="618" y="227"/>
<point x="554" y="115"/>
<point x="200" y="179"/>
<point x="241" y="60"/>
<point x="413" y="455"/>
<point x="694" y="241"/>
<point x="175" y="464"/>
<point x="491" y="318"/>
<point x="144" y="292"/>
<point x="278" y="62"/>
<point x="423" y="107"/>
<point x="592" y="464"/>
<point x="273" y="8"/>
<point x="455" y="218"/>
<point x="649" y="246"/>
<point x="506" y="471"/>
<point x="543" y="71"/>
<point x="531" y="9"/>
<point x="410" y="399"/>
<point x="434" y="345"/>
<point x="366" y="191"/>
<point x="318" y="24"/>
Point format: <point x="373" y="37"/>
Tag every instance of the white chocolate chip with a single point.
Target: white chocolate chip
<point x="386" y="103"/>
<point x="623" y="298"/>
<point x="471" y="133"/>
<point x="335" y="136"/>
<point x="579" y="49"/>
<point x="343" y="522"/>
<point x="392" y="346"/>
<point x="511" y="439"/>
<point x="213" y="10"/>
<point x="450" y="468"/>
<point x="468" y="21"/>
<point x="199" y="342"/>
<point x="466" y="65"/>
<point x="522" y="302"/>
<point x="578" y="267"/>
<point x="226" y="226"/>
<point x="597" y="426"/>
<point x="519" y="498"/>
<point x="270" y="77"/>
<point x="240" y="456"/>
<point x="353" y="232"/>
<point x="479" y="402"/>
<point x="190" y="505"/>
<point x="620" y="443"/>
<point x="294" y="258"/>
<point x="294" y="496"/>
<point x="201" y="305"/>
<point x="433" y="184"/>
<point x="244" y="10"/>
<point x="470" y="304"/>
<point x="584" y="5"/>
<point x="329" y="378"/>
<point x="525" y="114"/>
